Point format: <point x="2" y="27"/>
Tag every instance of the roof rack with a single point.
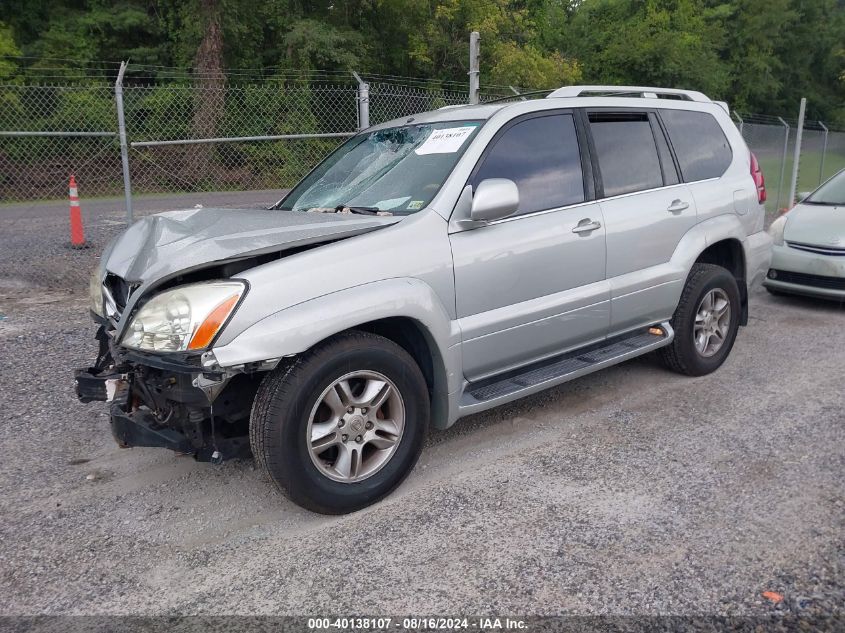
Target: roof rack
<point x="622" y="91"/>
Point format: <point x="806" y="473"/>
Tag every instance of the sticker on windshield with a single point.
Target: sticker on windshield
<point x="445" y="141"/>
<point x="392" y="203"/>
<point x="415" y="205"/>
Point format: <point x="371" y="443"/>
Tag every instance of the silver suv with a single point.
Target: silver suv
<point x="431" y="267"/>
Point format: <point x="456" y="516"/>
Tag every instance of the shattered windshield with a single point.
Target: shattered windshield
<point x="396" y="170"/>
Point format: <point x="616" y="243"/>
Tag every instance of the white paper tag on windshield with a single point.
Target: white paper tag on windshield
<point x="445" y="141"/>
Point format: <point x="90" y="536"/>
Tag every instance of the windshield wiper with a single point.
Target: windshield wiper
<point x="341" y="208"/>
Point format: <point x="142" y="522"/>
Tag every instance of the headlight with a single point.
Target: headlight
<point x="185" y="318"/>
<point x="776" y="230"/>
<point x="95" y="293"/>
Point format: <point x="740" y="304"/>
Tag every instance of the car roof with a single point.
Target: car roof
<point x="449" y="113"/>
<point x="570" y="96"/>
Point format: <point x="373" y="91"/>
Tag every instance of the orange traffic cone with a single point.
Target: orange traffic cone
<point x="77" y="232"/>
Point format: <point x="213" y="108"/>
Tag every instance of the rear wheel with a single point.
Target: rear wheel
<point x="341" y="426"/>
<point x="705" y="322"/>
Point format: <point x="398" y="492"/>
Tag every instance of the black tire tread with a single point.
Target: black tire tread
<point x="670" y="355"/>
<point x="281" y="385"/>
<point x="261" y="406"/>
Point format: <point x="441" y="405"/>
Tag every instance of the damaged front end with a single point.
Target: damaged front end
<point x="163" y="292"/>
<point x="183" y="402"/>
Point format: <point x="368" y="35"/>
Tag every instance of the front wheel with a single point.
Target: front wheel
<point x="705" y="322"/>
<point x="339" y="427"/>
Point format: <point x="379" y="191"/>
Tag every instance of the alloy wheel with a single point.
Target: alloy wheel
<point x="712" y="322"/>
<point x="355" y="427"/>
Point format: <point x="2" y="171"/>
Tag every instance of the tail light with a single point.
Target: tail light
<point x="759" y="181"/>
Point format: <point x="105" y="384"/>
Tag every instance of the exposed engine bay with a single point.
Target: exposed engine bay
<point x="171" y="402"/>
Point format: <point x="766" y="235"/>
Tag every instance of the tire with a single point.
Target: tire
<point x="683" y="355"/>
<point x="292" y="401"/>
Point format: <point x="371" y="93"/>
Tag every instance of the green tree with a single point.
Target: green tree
<point x="312" y="44"/>
<point x="755" y="69"/>
<point x="759" y="55"/>
<point x="810" y="65"/>
<point x="8" y="51"/>
<point x="673" y="43"/>
<point x="73" y="36"/>
<point x="511" y="49"/>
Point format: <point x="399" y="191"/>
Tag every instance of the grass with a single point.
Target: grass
<point x="808" y="173"/>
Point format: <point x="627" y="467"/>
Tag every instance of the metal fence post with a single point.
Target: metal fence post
<point x="124" y="149"/>
<point x="797" y="155"/>
<point x="824" y="151"/>
<point x="783" y="160"/>
<point x="363" y="102"/>
<point x="474" y="48"/>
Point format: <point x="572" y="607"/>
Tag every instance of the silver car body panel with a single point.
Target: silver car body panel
<point x="487" y="297"/>
<point x="511" y="298"/>
<point x="159" y="246"/>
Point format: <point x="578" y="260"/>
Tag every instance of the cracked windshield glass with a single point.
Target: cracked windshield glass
<point x="396" y="170"/>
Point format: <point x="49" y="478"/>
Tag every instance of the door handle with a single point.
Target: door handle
<point x="586" y="225"/>
<point x="677" y="206"/>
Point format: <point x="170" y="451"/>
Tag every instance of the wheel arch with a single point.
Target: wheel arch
<point x="412" y="336"/>
<point x="721" y="241"/>
<point x="729" y="254"/>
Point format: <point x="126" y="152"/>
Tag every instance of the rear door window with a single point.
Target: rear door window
<point x="699" y="142"/>
<point x="626" y="152"/>
<point x="540" y="154"/>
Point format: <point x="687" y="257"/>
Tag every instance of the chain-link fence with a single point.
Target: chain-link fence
<point x="46" y="133"/>
<point x="772" y="139"/>
<point x="226" y="142"/>
<point x="183" y="138"/>
<point x="209" y="141"/>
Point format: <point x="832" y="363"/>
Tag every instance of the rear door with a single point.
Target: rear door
<point x="533" y="284"/>
<point x="704" y="154"/>
<point x="647" y="211"/>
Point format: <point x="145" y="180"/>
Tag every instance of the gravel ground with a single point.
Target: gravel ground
<point x="631" y="491"/>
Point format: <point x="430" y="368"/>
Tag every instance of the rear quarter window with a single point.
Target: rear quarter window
<point x="700" y="144"/>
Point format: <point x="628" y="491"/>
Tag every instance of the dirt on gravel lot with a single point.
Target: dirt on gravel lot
<point x="631" y="491"/>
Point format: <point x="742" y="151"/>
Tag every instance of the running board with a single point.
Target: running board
<point x="553" y="371"/>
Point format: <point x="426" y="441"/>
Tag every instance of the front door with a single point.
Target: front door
<point x="532" y="285"/>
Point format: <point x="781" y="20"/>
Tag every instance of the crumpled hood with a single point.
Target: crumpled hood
<point x="164" y="244"/>
<point x="818" y="224"/>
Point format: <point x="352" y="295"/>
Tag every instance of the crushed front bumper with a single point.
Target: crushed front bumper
<point x="141" y="428"/>
<point x="94" y="386"/>
<point x="155" y="401"/>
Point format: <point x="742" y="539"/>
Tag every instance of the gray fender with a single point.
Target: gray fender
<point x="298" y="328"/>
<point x="654" y="292"/>
<point x="700" y="237"/>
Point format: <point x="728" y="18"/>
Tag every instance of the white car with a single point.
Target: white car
<point x="808" y="252"/>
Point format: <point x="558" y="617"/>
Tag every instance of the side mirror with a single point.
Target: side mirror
<point x="494" y="199"/>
